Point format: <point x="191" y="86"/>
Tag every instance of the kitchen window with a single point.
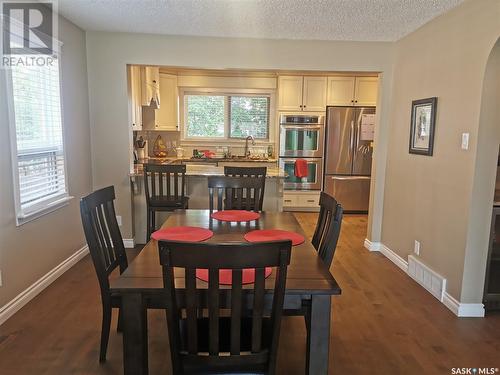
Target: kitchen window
<point x="226" y="116"/>
<point x="37" y="143"/>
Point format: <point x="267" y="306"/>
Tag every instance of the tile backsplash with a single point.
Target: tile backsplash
<point x="172" y="140"/>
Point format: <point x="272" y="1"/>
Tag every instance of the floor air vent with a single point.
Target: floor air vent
<point x="429" y="279"/>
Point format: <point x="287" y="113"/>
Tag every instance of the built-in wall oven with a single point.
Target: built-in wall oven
<point x="302" y="137"/>
<point x="313" y="180"/>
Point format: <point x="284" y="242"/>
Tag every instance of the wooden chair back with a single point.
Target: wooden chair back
<point x="259" y="172"/>
<point x="103" y="234"/>
<point x="188" y="301"/>
<point x="164" y="182"/>
<point x="241" y="193"/>
<point x="328" y="226"/>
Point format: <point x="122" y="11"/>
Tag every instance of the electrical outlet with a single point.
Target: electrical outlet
<point x="416" y="249"/>
<point x="119" y="220"/>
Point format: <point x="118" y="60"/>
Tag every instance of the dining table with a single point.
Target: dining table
<point x="309" y="286"/>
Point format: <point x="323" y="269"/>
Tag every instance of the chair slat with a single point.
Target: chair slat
<point x="258" y="309"/>
<point x="236" y="311"/>
<point x="191" y="310"/>
<point x="213" y="311"/>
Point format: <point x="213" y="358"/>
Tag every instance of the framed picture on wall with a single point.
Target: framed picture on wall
<point x="423" y="119"/>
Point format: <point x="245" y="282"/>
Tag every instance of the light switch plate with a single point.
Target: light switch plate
<point x="465" y="141"/>
<point x="416" y="249"/>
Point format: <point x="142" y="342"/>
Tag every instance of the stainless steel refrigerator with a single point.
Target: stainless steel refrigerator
<point x="348" y="155"/>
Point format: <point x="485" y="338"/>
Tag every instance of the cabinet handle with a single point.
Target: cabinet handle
<point x="304" y="106"/>
<point x="355" y="101"/>
<point x="288" y="200"/>
<point x="310" y="201"/>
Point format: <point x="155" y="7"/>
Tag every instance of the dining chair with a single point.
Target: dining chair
<point x="259" y="172"/>
<point x="246" y="339"/>
<point x="328" y="226"/>
<point x="236" y="193"/>
<point x="107" y="251"/>
<point x="164" y="186"/>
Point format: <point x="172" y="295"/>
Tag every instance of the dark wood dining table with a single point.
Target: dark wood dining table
<point x="309" y="284"/>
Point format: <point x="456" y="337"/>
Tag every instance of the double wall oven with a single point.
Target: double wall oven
<point x="302" y="137"/>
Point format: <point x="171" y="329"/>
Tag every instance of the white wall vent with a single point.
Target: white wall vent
<point x="429" y="279"/>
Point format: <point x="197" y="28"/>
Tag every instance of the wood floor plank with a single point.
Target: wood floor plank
<point x="383" y="323"/>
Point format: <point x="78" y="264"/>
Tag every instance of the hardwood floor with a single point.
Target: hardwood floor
<point x="383" y="323"/>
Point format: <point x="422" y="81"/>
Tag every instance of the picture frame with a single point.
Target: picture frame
<point x="423" y="120"/>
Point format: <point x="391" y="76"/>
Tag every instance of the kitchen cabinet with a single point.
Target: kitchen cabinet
<point x="134" y="97"/>
<point x="166" y="117"/>
<point x="298" y="93"/>
<point x="150" y="86"/>
<point x="348" y="91"/>
<point x="301" y="200"/>
<point x="167" y="114"/>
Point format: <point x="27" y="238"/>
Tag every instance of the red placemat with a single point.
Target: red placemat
<point x="187" y="234"/>
<point x="225" y="276"/>
<point x="264" y="235"/>
<point x="235" y="215"/>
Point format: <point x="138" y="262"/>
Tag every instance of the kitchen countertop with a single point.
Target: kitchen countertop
<point x="210" y="170"/>
<point x="174" y="159"/>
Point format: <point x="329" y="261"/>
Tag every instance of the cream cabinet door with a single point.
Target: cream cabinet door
<point x="314" y="94"/>
<point x="290" y="93"/>
<point x="365" y="93"/>
<point x="340" y="91"/>
<point x="167" y="114"/>
<point x="134" y="97"/>
<point x="150" y="80"/>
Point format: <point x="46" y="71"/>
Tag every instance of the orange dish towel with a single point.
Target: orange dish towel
<point x="301" y="168"/>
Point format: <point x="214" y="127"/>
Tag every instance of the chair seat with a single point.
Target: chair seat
<point x="225" y="334"/>
<point x="168" y="202"/>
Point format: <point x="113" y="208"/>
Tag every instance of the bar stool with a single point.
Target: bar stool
<point x="164" y="189"/>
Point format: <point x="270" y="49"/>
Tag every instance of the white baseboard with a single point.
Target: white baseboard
<point x="372" y="246"/>
<point x="129" y="243"/>
<point x="33" y="290"/>
<point x="395" y="258"/>
<point x="469" y="310"/>
<point x="462" y="310"/>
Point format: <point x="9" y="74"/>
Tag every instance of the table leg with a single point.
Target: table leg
<point x="135" y="335"/>
<point x="318" y="335"/>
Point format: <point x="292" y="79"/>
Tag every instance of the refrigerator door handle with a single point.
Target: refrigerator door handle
<point x="351" y="135"/>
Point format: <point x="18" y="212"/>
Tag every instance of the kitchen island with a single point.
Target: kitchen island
<point x="197" y="191"/>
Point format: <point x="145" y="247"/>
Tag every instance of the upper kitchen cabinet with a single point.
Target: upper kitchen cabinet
<point x="348" y="91"/>
<point x="164" y="118"/>
<point x="150" y="80"/>
<point x="314" y="94"/>
<point x="134" y="97"/>
<point x="167" y="114"/>
<point x="297" y="93"/>
<point x="290" y="93"/>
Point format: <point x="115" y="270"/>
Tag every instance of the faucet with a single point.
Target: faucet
<point x="250" y="137"/>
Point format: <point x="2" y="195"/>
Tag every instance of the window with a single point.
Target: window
<point x="226" y="116"/>
<point x="38" y="147"/>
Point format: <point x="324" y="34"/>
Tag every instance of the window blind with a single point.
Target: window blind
<point x="40" y="160"/>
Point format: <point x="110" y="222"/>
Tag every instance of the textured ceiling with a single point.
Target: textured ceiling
<point x="354" y="20"/>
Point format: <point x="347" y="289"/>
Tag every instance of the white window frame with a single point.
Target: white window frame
<point x="51" y="204"/>
<point x="226" y="92"/>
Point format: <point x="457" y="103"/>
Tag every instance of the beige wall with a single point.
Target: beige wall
<point x="28" y="252"/>
<point x="108" y="54"/>
<point x="429" y="198"/>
